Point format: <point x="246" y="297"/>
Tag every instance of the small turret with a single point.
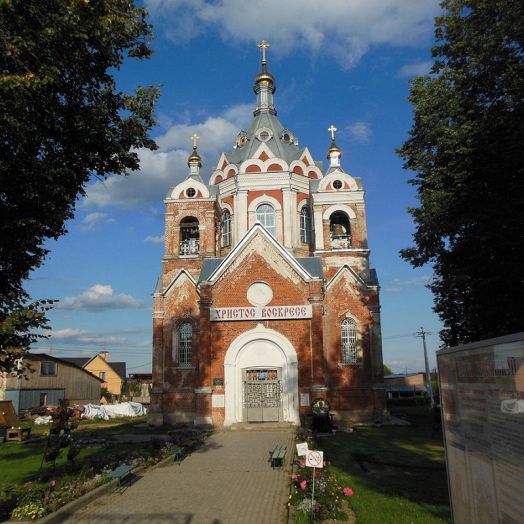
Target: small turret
<point x="334" y="152"/>
<point x="194" y="161"/>
<point x="264" y="86"/>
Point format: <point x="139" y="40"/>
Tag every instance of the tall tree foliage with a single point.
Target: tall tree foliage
<point x="62" y="121"/>
<point x="466" y="147"/>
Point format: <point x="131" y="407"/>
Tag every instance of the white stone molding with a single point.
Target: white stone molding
<point x="260" y="347"/>
<point x="326" y="182"/>
<point x="266" y="199"/>
<point x="180" y="189"/>
<point x="339" y="207"/>
<point x="240" y="222"/>
<point x="182" y="273"/>
<point x="258" y="229"/>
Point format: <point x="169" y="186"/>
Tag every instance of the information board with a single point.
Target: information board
<point x="482" y="393"/>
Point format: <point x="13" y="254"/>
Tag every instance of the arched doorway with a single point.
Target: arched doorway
<point x="261" y="363"/>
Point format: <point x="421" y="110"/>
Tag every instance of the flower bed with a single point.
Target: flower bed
<point x="55" y="488"/>
<point x="329" y="494"/>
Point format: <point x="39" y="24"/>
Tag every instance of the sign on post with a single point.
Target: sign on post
<point x="315" y="459"/>
<point x="302" y="449"/>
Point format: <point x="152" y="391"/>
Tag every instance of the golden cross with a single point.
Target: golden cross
<point x="263" y="45"/>
<point x="195" y="139"/>
<point x="332" y="129"/>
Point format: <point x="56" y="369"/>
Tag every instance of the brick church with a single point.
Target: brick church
<point x="266" y="301"/>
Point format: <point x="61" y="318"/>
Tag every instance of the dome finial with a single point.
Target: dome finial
<point x="194" y="161"/>
<point x="263" y="46"/>
<point x="333" y="153"/>
<point x="264" y="84"/>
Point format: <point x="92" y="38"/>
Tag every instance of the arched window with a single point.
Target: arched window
<point x="266" y="216"/>
<point x="189" y="236"/>
<point x="339" y="230"/>
<point x="226" y="228"/>
<point x="183" y="345"/>
<point x="348" y="341"/>
<point x="305" y="225"/>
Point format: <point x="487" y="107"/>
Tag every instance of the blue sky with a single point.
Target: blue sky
<point x="342" y="62"/>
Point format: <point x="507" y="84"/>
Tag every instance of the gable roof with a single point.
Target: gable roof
<point x="257" y="229"/>
<point x="66" y="361"/>
<point x="118" y="367"/>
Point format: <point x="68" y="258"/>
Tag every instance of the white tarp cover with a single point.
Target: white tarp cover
<point x="40" y="421"/>
<point x="512" y="406"/>
<point x="125" y="409"/>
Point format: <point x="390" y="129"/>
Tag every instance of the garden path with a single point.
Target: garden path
<point x="228" y="480"/>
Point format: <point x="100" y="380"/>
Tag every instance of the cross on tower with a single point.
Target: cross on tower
<point x="195" y="139"/>
<point x="264" y="45"/>
<point x="332" y="129"/>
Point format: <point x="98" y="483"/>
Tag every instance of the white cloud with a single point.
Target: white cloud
<point x="99" y="297"/>
<point x="360" y="132"/>
<point x="346" y="29"/>
<point x="93" y="219"/>
<point x="399" y="284"/>
<point x="80" y="337"/>
<point x="418" y="69"/>
<point x="421" y="280"/>
<point x="154" y="240"/>
<point x="167" y="166"/>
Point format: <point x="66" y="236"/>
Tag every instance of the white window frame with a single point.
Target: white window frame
<point x="267" y="217"/>
<point x="183" y="345"/>
<point x="305" y="225"/>
<point x="226" y="231"/>
<point x="349" y="342"/>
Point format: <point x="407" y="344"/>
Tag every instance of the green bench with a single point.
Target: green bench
<point x="120" y="472"/>
<point x="277" y="456"/>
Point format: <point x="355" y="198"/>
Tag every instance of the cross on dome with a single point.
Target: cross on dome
<point x="332" y="130"/>
<point x="263" y="46"/>
<point x="195" y="139"/>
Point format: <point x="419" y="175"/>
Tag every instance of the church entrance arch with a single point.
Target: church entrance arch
<point x="261" y="380"/>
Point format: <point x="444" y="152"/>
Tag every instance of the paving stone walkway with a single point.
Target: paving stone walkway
<point x="228" y="480"/>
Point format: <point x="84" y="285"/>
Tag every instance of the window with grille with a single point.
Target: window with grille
<point x="226" y="228"/>
<point x="305" y="226"/>
<point x="349" y="342"/>
<point x="184" y="345"/>
<point x="48" y="369"/>
<point x="266" y="216"/>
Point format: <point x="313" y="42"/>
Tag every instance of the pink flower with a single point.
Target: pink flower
<point x="302" y="464"/>
<point x="317" y="508"/>
<point x="294" y="476"/>
<point x="52" y="483"/>
<point x="303" y="485"/>
<point x="348" y="492"/>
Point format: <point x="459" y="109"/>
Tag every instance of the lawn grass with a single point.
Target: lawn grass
<point x="20" y="461"/>
<point x="397" y="473"/>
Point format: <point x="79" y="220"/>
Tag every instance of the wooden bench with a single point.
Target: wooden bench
<point x="277" y="456"/>
<point x="120" y="473"/>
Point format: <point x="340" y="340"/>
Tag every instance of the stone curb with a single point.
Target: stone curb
<point x="72" y="507"/>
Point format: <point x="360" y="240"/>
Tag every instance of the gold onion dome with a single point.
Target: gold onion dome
<point x="333" y="148"/>
<point x="194" y="158"/>
<point x="264" y="77"/>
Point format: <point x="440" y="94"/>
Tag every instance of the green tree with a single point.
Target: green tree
<point x="466" y="148"/>
<point x="62" y="121"/>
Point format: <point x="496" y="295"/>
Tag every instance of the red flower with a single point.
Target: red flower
<point x="348" y="492"/>
<point x="303" y="485"/>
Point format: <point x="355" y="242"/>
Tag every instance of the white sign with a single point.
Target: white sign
<point x="224" y="314"/>
<point x="315" y="459"/>
<point x="302" y="449"/>
<point x="304" y="399"/>
<point x="217" y="401"/>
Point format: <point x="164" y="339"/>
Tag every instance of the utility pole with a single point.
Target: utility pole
<point x="422" y="334"/>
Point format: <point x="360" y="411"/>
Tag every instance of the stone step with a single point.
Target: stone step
<point x="261" y="426"/>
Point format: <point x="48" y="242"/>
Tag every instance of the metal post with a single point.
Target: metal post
<point x="422" y="334"/>
<point x="313" y="496"/>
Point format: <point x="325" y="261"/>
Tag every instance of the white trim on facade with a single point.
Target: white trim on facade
<point x="260" y="347"/>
